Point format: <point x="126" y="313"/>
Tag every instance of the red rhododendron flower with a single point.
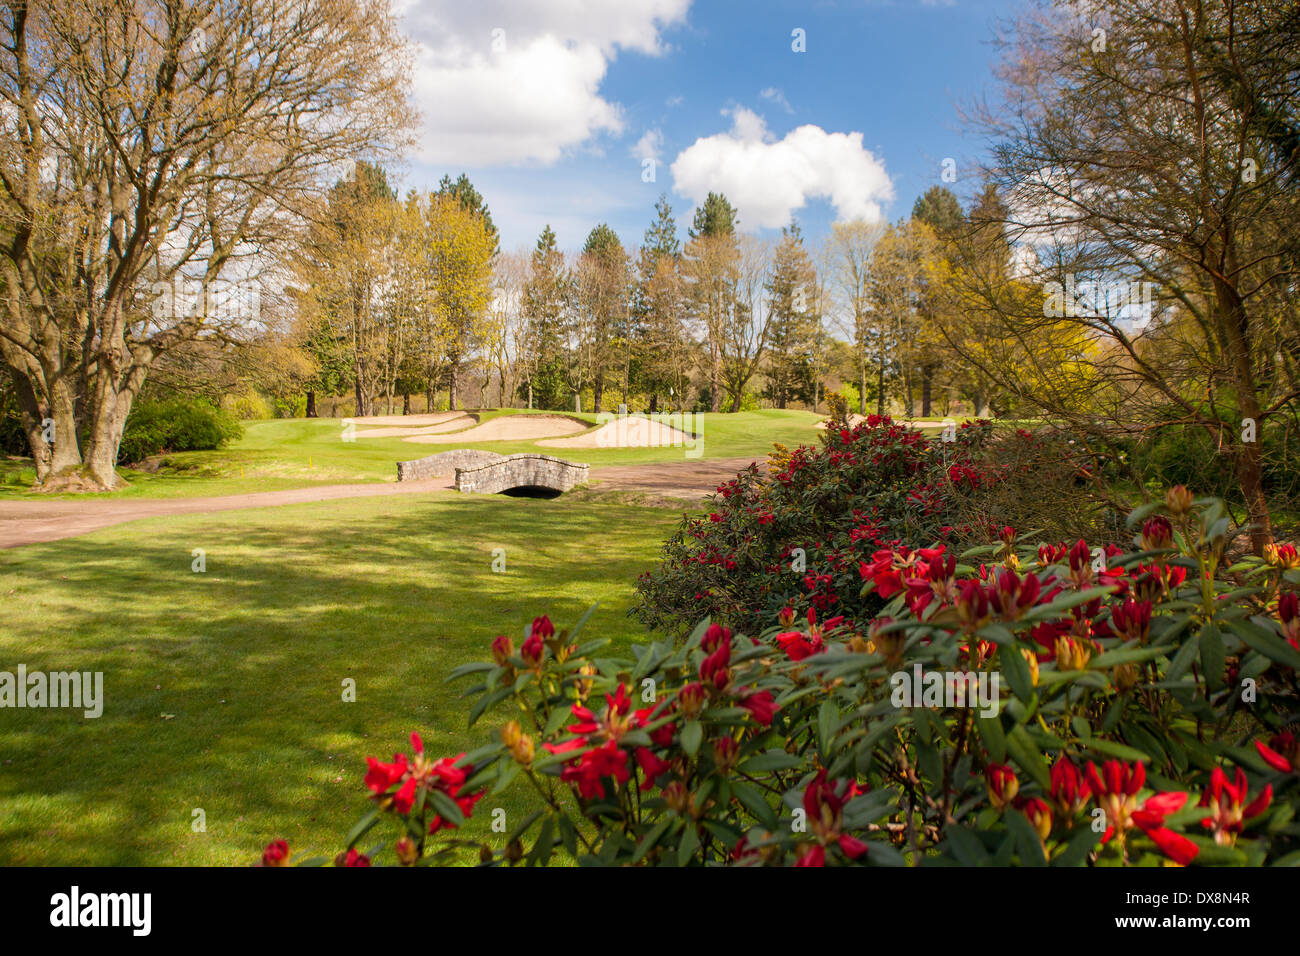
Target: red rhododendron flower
<point x="356" y="859"/>
<point x="651" y="766"/>
<point x="1226" y="801"/>
<point x="276" y="854"/>
<point x="1281" y="753"/>
<point x="798" y="645"/>
<point x="1070" y="791"/>
<point x="761" y="706"/>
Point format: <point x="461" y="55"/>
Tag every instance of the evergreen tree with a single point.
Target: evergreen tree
<point x="794" y="322"/>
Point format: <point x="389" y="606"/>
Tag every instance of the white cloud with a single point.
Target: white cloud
<point x="768" y="179"/>
<point x="650" y="145"/>
<point x="502" y="82"/>
<point x="776" y="96"/>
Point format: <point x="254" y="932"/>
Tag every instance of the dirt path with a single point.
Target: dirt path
<point x="686" y="479"/>
<point x="32" y="522"/>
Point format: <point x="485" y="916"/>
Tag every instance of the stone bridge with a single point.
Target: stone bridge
<point x="444" y="463"/>
<point x="522" y="473"/>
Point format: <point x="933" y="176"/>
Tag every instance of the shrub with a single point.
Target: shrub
<point x="178" y="424"/>
<point x="248" y="404"/>
<point x="1072" y="706"/>
<point x="795" y="536"/>
<point x="13" y="440"/>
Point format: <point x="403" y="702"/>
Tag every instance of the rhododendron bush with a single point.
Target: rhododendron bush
<point x="797" y="534"/>
<point x="1141" y="715"/>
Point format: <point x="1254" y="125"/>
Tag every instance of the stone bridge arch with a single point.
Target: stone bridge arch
<point x="522" y="473"/>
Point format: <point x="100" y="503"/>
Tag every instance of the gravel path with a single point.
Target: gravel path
<point x="34" y="521"/>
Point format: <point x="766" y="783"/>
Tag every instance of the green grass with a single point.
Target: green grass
<point x="223" y="690"/>
<point x="293" y="453"/>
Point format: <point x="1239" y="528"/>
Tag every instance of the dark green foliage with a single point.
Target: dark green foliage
<point x="177" y="424"/>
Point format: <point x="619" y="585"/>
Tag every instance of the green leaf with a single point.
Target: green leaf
<point x="1182" y="661"/>
<point x="362" y="827"/>
<point x="828" y="721"/>
<point x="652" y="837"/>
<point x="446" y="808"/>
<point x="1023" y="750"/>
<point x="1270" y="645"/>
<point x="541" y="853"/>
<point x="690" y="843"/>
<point x="1013" y="664"/>
<point x="1119" y="751"/>
<point x="770" y="760"/>
<point x="1028" y="847"/>
<point x="1213" y="656"/>
<point x="751" y="798"/>
<point x="993" y="737"/>
<point x="692" y="736"/>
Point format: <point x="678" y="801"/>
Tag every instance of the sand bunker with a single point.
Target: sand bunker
<point x="433" y="418"/>
<point x="631" y="432"/>
<point x="508" y="428"/>
<point x="461" y="420"/>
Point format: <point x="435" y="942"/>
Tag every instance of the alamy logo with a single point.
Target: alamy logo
<point x="75" y="689"/>
<point x="947" y="689"/>
<point x="103" y="909"/>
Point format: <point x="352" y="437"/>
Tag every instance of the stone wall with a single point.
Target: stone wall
<point x="522" y="471"/>
<point x="444" y="463"/>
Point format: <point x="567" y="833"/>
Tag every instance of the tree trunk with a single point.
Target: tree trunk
<point x="1250" y="463"/>
<point x="597" y="394"/>
<point x="577" y="401"/>
<point x="452" y="398"/>
<point x="654" y="402"/>
<point x="880" y="385"/>
<point x="363" y="408"/>
<point x="311" y="404"/>
<point x="927" y="388"/>
<point x="406" y="403"/>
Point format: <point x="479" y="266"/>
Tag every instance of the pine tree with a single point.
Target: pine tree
<point x="794" y="322"/>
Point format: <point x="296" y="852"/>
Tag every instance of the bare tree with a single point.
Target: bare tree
<point x="148" y="143"/>
<point x="1154" y="142"/>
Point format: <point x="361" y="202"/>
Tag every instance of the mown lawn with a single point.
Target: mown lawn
<point x="223" y="689"/>
<point x="293" y="453"/>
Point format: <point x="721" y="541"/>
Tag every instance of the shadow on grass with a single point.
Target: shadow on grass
<point x="224" y="689"/>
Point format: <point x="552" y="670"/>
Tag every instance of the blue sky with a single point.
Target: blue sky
<point x="553" y="106"/>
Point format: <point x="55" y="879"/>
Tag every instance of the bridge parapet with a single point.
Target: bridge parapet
<point x="522" y="471"/>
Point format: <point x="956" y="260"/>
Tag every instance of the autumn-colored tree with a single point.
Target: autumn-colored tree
<point x="547" y="295"/>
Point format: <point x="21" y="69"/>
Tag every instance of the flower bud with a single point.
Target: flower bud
<point x="511" y="733"/>
<point x="485" y="854"/>
<point x="677" y="797"/>
<point x="1002" y="784"/>
<point x="1157" y="534"/>
<point x="502" y="648"/>
<point x="276" y="854"/>
<point x="1178" y="500"/>
<point x="691" y="700"/>
<point x="407" y="851"/>
<point x="725" y="753"/>
<point x="786" y="617"/>
<point x="1125" y="677"/>
<point x="515" y="851"/>
<point x="1031" y="661"/>
<point x="1283" y="556"/>
<point x="1072" y="654"/>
